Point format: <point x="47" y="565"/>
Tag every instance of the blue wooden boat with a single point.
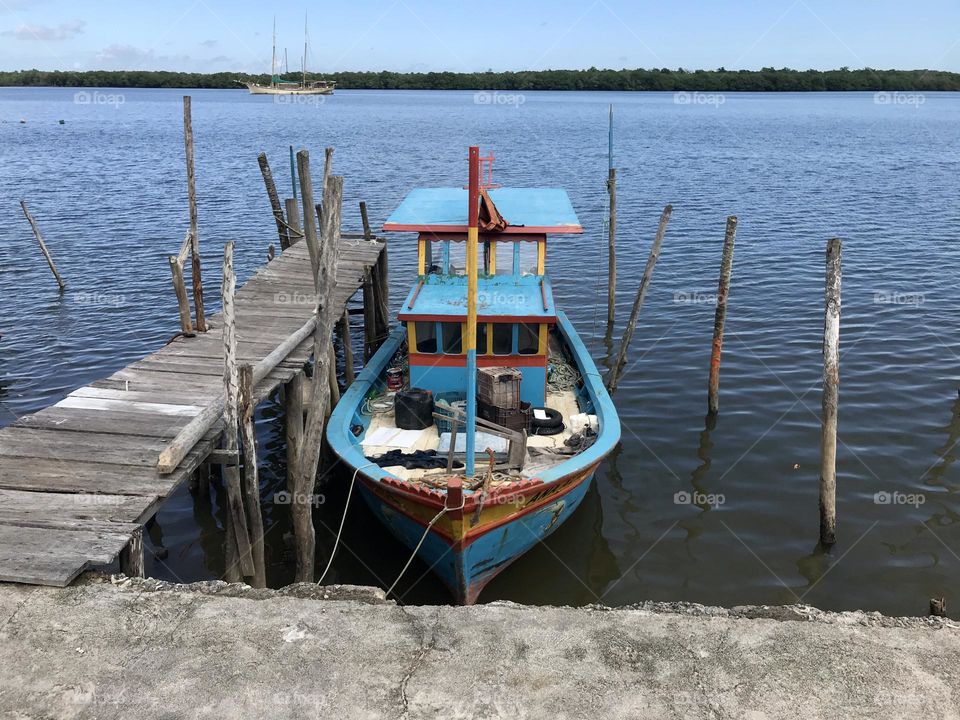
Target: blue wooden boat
<point x="468" y="495"/>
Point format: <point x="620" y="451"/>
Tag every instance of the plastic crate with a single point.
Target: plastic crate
<point x="443" y="401"/>
<point x="511" y="418"/>
<point x="499" y="387"/>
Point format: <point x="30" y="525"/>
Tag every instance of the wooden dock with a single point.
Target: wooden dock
<point x="78" y="479"/>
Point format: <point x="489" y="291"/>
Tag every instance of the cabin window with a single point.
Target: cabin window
<point x="528" y="338"/>
<point x="482" y="338"/>
<point x="504" y="255"/>
<point x="456" y="257"/>
<point x="426" y="337"/>
<point x="529" y="257"/>
<point x="502" y="338"/>
<point x="452" y="335"/>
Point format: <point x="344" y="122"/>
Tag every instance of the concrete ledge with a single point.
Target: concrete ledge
<point x="121" y="647"/>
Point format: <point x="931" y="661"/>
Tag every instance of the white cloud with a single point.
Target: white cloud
<point x="47" y="33"/>
<point x="209" y="43"/>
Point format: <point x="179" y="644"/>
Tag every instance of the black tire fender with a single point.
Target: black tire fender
<point x="553" y="420"/>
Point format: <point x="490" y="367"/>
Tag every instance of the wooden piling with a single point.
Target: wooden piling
<point x="131" y="557"/>
<point x="293" y="220"/>
<point x="720" y="317"/>
<point x="347" y="342"/>
<point x="231" y="388"/>
<point x="367" y="232"/>
<point x="201" y="323"/>
<point x="43" y="245"/>
<point x="323" y="257"/>
<point x="179" y="287"/>
<point x="274" y="201"/>
<point x="638" y="301"/>
<point x="612" y="246"/>
<point x="293" y="430"/>
<point x="251" y="483"/>
<point x="831" y="383"/>
<point x="369" y="315"/>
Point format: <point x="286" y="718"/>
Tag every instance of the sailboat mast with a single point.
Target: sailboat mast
<point x="304" y="49"/>
<point x="473" y="213"/>
<point x="286" y="62"/>
<point x="273" y="56"/>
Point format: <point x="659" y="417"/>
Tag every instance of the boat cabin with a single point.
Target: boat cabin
<point x="515" y="306"/>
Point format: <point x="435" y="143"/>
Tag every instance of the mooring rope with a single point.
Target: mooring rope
<point x="423" y="537"/>
<point x="343" y="520"/>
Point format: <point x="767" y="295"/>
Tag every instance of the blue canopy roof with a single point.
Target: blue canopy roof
<point x="445" y="296"/>
<point x="529" y="210"/>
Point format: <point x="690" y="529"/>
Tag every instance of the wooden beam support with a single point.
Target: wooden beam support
<point x="131" y="557"/>
<point x="274" y="201"/>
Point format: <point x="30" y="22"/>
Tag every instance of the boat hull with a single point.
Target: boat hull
<point x="268" y="90"/>
<point x="466" y="564"/>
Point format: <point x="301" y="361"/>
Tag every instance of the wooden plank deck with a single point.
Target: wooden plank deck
<point x="79" y="477"/>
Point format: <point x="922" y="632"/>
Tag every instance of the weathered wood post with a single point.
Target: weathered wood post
<point x="231" y="388"/>
<point x="201" y="323"/>
<point x="131" y="557"/>
<point x="179" y="287"/>
<point x="43" y="245"/>
<point x="720" y="318"/>
<point x="831" y="383"/>
<point x="638" y="301"/>
<point x="323" y="257"/>
<point x="251" y="481"/>
<point x="293" y="220"/>
<point x="369" y="315"/>
<point x="611" y="227"/>
<point x="612" y="247"/>
<point x="293" y="430"/>
<point x="347" y="343"/>
<point x="274" y="201"/>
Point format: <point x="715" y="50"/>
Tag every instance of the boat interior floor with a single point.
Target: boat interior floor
<point x="382" y="436"/>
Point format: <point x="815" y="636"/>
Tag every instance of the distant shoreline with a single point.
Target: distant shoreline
<point x="680" y="80"/>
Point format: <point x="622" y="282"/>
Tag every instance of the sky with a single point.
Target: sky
<point x="428" y="35"/>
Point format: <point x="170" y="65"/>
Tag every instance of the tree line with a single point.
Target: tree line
<point x="663" y="79"/>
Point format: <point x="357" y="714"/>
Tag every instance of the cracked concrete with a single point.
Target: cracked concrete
<point x="144" y="648"/>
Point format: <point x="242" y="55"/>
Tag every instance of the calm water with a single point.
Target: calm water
<point x="108" y="190"/>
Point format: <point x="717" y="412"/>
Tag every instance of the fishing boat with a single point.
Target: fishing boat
<point x="479" y="485"/>
<point x="280" y="86"/>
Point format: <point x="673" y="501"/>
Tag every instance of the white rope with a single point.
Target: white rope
<point x="430" y="525"/>
<point x="343" y="520"/>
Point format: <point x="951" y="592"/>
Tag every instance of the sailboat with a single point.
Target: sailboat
<point x="281" y="86"/>
<point x="474" y="431"/>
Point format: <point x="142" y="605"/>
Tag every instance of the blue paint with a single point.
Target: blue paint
<point x="443" y="378"/>
<point x="531" y="207"/>
<point x="500" y="295"/>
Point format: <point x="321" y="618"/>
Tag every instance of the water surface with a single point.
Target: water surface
<point x="107" y="188"/>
